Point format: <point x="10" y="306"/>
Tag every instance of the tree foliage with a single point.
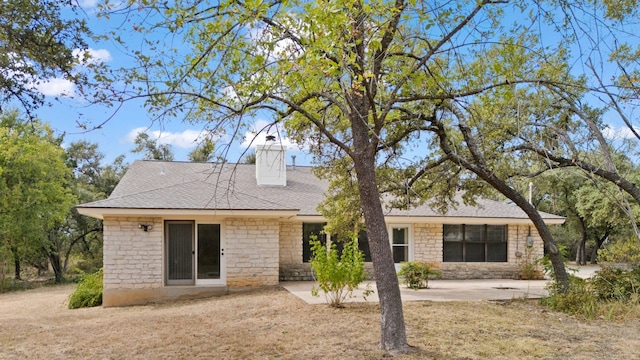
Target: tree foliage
<point x="337" y="274"/>
<point x="34" y="187"/>
<point x="40" y="41"/>
<point x="418" y="99"/>
<point x="152" y="149"/>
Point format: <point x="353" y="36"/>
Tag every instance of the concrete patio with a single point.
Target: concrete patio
<point x="447" y="290"/>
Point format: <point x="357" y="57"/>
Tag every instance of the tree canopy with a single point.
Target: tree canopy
<point x="40" y="41"/>
<point x="417" y="98"/>
<point x="34" y="191"/>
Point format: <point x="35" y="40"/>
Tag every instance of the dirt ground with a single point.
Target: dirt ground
<point x="273" y="324"/>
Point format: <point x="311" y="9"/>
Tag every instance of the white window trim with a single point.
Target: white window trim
<point x="409" y="228"/>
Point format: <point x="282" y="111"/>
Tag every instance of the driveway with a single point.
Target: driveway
<point x="447" y="290"/>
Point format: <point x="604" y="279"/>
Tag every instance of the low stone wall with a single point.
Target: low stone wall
<point x="302" y="272"/>
<point x="296" y="272"/>
<point x="460" y="271"/>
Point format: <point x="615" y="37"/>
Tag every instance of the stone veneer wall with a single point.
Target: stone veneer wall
<point x="427" y="246"/>
<point x="251" y="251"/>
<point x="132" y="259"/>
<point x="291" y="266"/>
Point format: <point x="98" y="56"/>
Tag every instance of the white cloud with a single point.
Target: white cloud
<point x="621" y="133"/>
<point x="88" y="4"/>
<point x="63" y="87"/>
<point x="186" y="139"/>
<point x="56" y="87"/>
<point x="95" y="56"/>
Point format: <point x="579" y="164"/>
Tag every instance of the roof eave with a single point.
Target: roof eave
<point x="100" y="213"/>
<point x="468" y="220"/>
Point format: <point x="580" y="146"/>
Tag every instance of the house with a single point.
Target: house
<point x="180" y="229"/>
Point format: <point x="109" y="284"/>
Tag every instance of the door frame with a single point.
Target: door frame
<point x="223" y="268"/>
<point x="194" y="281"/>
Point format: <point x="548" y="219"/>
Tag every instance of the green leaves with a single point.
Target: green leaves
<point x="34" y="186"/>
<point x="39" y="43"/>
<point x="337" y="275"/>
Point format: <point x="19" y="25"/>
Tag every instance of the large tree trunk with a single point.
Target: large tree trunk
<point x="393" y="334"/>
<point x="479" y="167"/>
<point x="581" y="251"/>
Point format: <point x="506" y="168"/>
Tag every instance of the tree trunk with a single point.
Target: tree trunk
<point x="581" y="251"/>
<point x="56" y="264"/>
<point x="559" y="270"/>
<point x="16" y="262"/>
<point x="393" y="334"/>
<point x="596" y="247"/>
<point x="479" y="167"/>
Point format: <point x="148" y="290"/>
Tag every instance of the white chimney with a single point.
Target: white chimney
<point x="271" y="168"/>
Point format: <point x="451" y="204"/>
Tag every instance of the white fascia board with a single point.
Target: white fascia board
<point x="467" y="220"/>
<point x="444" y="220"/>
<point x="100" y="213"/>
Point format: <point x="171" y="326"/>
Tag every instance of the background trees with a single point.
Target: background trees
<point x="40" y="183"/>
<point x="34" y="188"/>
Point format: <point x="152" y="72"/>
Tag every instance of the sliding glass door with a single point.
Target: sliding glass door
<point x="194" y="253"/>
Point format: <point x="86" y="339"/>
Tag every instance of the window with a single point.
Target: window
<point x="311" y="229"/>
<point x="400" y="244"/>
<point x="474" y="243"/>
<point x="363" y="244"/>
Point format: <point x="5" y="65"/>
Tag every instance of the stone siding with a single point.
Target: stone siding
<point x="252" y="251"/>
<point x="132" y="258"/>
<point x="291" y="266"/>
<point x="427" y="242"/>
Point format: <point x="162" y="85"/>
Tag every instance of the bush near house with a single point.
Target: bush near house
<point x="415" y="274"/>
<point x="612" y="293"/>
<point x="89" y="291"/>
<point x="621" y="252"/>
<point x="337" y="275"/>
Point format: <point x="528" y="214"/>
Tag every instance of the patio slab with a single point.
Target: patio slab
<point x="447" y="290"/>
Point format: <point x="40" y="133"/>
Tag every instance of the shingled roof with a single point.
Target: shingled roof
<point x="161" y="185"/>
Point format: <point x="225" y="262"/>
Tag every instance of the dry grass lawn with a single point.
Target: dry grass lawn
<point x="271" y="323"/>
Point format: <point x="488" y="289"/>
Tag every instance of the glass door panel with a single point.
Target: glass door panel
<point x="209" y="251"/>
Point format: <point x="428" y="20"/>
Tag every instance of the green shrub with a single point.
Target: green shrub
<point x="610" y="293"/>
<point x="415" y="274"/>
<point x="89" y="291"/>
<point x="337" y="276"/>
<point x="617" y="284"/>
<point x="577" y="300"/>
<point x="622" y="251"/>
<point x="530" y="268"/>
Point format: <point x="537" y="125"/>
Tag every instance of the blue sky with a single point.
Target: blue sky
<point x="116" y="136"/>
